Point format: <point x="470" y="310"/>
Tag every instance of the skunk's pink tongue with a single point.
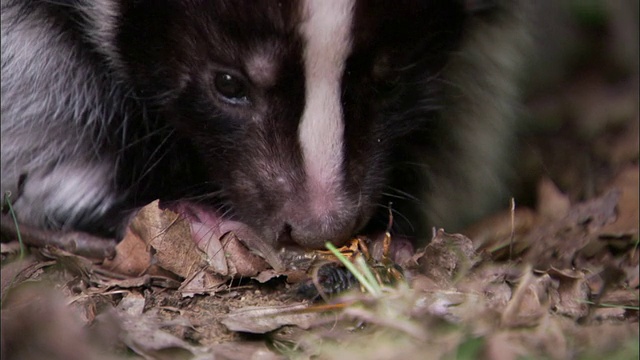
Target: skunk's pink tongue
<point x="208" y="227"/>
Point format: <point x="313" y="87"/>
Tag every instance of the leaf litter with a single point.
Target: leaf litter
<point x="559" y="280"/>
<point x="568" y="287"/>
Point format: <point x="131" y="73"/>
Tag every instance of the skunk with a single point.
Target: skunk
<point x="300" y="119"/>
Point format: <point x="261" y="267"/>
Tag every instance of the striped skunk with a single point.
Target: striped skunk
<point x="300" y="119"/>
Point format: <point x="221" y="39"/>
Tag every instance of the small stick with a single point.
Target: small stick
<point x="75" y="242"/>
<point x="513" y="228"/>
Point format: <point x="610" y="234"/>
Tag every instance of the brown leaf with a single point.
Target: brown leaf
<point x="526" y="307"/>
<point x="170" y="237"/>
<point x="208" y="228"/>
<point x="492" y="280"/>
<point x="19" y="271"/>
<point x="143" y="333"/>
<point x="245" y="350"/>
<point x="552" y="203"/>
<point x="493" y="234"/>
<point x="37" y="323"/>
<point x="241" y="261"/>
<point x="626" y="223"/>
<point x="259" y="319"/>
<point x="132" y="257"/>
<point x="569" y="297"/>
<point x="557" y="243"/>
<point x="447" y="256"/>
<point x="621" y="297"/>
<point x="201" y="282"/>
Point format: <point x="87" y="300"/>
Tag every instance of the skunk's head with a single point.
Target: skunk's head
<point x="294" y="107"/>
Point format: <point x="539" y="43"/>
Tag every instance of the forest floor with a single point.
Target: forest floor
<point x="554" y="277"/>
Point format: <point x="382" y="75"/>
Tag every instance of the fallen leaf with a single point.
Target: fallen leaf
<point x="525" y="307"/>
<point x="170" y="237"/>
<point x="494" y="234"/>
<point x="446" y="257"/>
<point x="628" y="218"/>
<point x="245" y="350"/>
<point x="132" y="257"/>
<point x="241" y="261"/>
<point x="569" y="297"/>
<point x="202" y="282"/>
<point x="552" y="204"/>
<point x="262" y="319"/>
<point x="558" y="243"/>
<point x="142" y="333"/>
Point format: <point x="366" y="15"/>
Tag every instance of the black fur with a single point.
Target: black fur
<point x="135" y="101"/>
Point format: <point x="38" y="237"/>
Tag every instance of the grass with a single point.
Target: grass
<point x="7" y="200"/>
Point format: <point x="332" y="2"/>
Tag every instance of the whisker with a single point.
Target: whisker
<point x="396" y="214"/>
<point x="400" y="194"/>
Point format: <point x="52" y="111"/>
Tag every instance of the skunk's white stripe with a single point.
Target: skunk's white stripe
<point x="326" y="30"/>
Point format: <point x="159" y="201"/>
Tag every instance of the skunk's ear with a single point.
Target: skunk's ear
<point x="495" y="11"/>
<point x="479" y="6"/>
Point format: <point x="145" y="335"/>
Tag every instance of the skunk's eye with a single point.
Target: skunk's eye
<point x="231" y="87"/>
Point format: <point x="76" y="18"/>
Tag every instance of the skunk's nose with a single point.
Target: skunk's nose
<point x="313" y="230"/>
<point x="315" y="233"/>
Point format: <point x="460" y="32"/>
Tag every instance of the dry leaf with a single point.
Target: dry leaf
<point x="552" y="203"/>
<point x="626" y="223"/>
<point x="245" y="350"/>
<point x="202" y="282"/>
<point x="557" y="243"/>
<point x="132" y="257"/>
<point x="241" y="261"/>
<point x="259" y="319"/>
<point x="170" y="237"/>
<point x="494" y="234"/>
<point x="447" y="256"/>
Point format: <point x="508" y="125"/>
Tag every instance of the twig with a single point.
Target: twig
<point x="75" y="242"/>
<point x="513" y="228"/>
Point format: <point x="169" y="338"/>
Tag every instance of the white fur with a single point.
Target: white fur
<point x="49" y="119"/>
<point x="326" y="31"/>
<point x="50" y="197"/>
